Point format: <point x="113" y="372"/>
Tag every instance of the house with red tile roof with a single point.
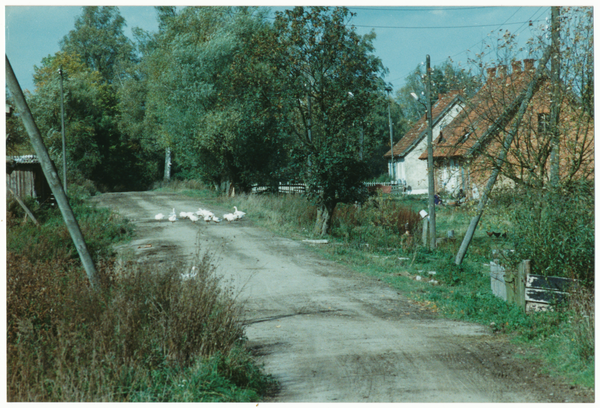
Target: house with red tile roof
<point x="408" y="169"/>
<point x="465" y="151"/>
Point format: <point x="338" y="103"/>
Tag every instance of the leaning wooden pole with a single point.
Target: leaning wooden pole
<point x="51" y="175"/>
<point x="502" y="156"/>
<point x="556" y="99"/>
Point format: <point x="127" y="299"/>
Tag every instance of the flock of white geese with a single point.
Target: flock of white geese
<point x="206" y="215"/>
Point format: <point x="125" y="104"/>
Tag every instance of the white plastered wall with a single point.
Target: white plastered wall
<point x="414" y="170"/>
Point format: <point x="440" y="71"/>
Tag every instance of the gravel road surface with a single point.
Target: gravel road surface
<point x="329" y="334"/>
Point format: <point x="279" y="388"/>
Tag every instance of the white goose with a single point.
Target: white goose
<point x="193" y="217"/>
<point x="229" y="217"/>
<point x="238" y="214"/>
<point x="173" y="216"/>
<point x="191" y="274"/>
<point x="204" y="213"/>
<point x="159" y="216"/>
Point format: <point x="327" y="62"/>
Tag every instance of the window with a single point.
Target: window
<point x="543" y="123"/>
<point x="441" y="138"/>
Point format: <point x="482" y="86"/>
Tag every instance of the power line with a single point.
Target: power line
<point x="417" y="8"/>
<point x="484" y="39"/>
<point x="440" y="27"/>
<point x="524" y="24"/>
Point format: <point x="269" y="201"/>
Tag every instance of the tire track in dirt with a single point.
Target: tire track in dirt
<point x="327" y="333"/>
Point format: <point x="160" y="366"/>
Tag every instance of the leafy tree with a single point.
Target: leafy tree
<point x="201" y="100"/>
<point x="137" y="106"/>
<point x="445" y="77"/>
<point x="86" y="98"/>
<point x="99" y="39"/>
<point x="106" y="55"/>
<point x="559" y="119"/>
<point x="96" y="150"/>
<point x="327" y="86"/>
<point x="17" y="140"/>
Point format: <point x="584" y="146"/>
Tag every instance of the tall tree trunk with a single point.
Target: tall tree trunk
<point x="556" y="100"/>
<point x="324" y="218"/>
<point x="167" y="175"/>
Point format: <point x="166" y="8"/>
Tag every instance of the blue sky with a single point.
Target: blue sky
<point x="405" y="34"/>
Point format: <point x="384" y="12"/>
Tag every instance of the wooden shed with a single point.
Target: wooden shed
<point x="25" y="177"/>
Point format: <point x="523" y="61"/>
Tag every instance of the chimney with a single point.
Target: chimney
<point x="491" y="73"/>
<point x="516" y="67"/>
<point x="501" y="71"/>
<point x="528" y="64"/>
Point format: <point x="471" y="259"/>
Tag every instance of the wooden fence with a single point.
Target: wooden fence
<point x="285" y="188"/>
<point x="531" y="292"/>
<point x="300" y="188"/>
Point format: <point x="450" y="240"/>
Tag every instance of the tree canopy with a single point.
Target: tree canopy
<point x="328" y="82"/>
<point x="236" y="98"/>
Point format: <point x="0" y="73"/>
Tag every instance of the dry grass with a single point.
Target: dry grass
<point x="148" y="327"/>
<point x="581" y="303"/>
<point x="282" y="212"/>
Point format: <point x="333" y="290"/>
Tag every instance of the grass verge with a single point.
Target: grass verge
<point x="154" y="333"/>
<point x="562" y="339"/>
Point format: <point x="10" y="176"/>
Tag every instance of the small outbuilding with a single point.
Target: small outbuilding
<point x="25" y="177"/>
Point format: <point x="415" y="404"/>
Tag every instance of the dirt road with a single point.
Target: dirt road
<point x="328" y="334"/>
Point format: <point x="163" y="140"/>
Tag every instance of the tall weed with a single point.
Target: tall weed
<point x="50" y="240"/>
<point x="148" y="324"/>
<point x="555" y="230"/>
<point x="153" y="333"/>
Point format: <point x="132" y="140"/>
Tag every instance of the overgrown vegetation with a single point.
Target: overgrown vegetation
<point x="555" y="229"/>
<point x="368" y="239"/>
<point x="154" y="333"/>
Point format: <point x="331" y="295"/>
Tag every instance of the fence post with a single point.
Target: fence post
<point x="523" y="272"/>
<point x="425" y="230"/>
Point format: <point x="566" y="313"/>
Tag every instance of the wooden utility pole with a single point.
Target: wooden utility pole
<point x="430" y="174"/>
<point x="556" y="99"/>
<point x="51" y="175"/>
<point x="523" y="101"/>
<point x="391" y="136"/>
<point x="62" y="122"/>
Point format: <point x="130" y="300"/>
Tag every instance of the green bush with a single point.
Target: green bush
<point x="555" y="230"/>
<point x="51" y="239"/>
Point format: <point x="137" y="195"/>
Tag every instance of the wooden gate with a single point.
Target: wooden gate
<point x="531" y="292"/>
